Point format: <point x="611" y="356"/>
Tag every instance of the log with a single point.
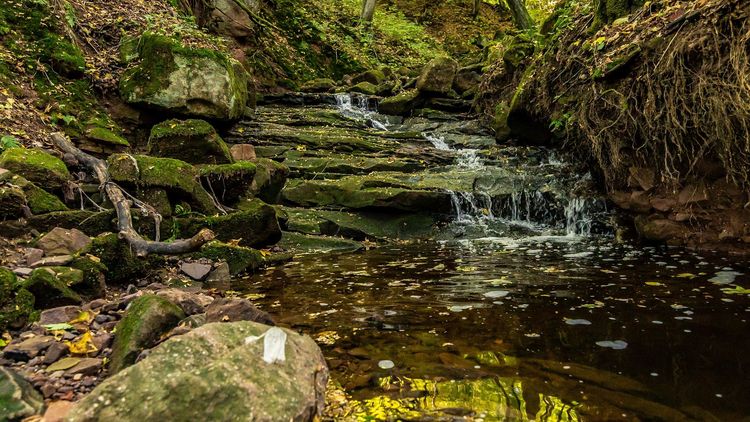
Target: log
<point x="141" y="247"/>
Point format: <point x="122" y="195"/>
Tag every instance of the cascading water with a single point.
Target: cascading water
<point x="357" y="108"/>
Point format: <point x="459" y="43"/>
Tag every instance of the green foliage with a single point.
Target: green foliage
<point x="8" y="141"/>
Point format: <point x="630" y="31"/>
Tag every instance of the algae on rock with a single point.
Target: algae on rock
<point x="193" y="141"/>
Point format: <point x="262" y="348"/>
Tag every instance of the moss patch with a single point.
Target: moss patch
<point x="36" y="165"/>
<point x="16" y="303"/>
<point x="194" y="141"/>
<point x="51" y="286"/>
<point x="239" y="259"/>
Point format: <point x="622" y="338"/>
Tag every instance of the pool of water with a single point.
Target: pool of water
<point x="540" y="327"/>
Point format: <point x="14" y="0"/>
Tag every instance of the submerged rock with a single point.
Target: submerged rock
<point x="18" y="398"/>
<point x="214" y="366"/>
<point x="193" y="141"/>
<point x="147" y="318"/>
<point x="185" y="81"/>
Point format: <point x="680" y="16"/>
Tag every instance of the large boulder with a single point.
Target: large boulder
<point x="36" y="165"/>
<point x="270" y="178"/>
<point x="437" y="76"/>
<point x="229" y="17"/>
<point x="51" y="286"/>
<point x="146" y="320"/>
<point x="401" y="104"/>
<point x="18" y="398"/>
<point x="193" y="141"/>
<point x="185" y="81"/>
<point x="213" y="373"/>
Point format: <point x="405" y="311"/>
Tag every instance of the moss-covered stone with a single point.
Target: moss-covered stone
<point x="37" y="199"/>
<point x="437" y="76"/>
<point x="12" y="202"/>
<point x="51" y="286"/>
<point x="365" y="88"/>
<point x="36" y="165"/>
<point x="146" y="320"/>
<point x="239" y="259"/>
<point x="193" y="141"/>
<point x="401" y="104"/>
<point x="157" y="198"/>
<point x="270" y="178"/>
<point x="318" y="85"/>
<point x="123" y="267"/>
<point x="373" y="76"/>
<point x="229" y="182"/>
<point x="16" y="303"/>
<point x="176" y="176"/>
<point x="103" y="135"/>
<point x="360" y="225"/>
<point x="185" y="81"/>
<point x="93" y="283"/>
<point x="254" y="225"/>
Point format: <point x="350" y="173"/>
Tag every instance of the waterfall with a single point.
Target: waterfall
<point x="357" y="107"/>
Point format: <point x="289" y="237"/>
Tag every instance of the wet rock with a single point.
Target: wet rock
<point x="210" y="365"/>
<point x="193" y="141"/>
<point x="185" y="81"/>
<point x="147" y="318"/>
<point x="365" y="88"/>
<point x="24" y="350"/>
<point x="243" y="152"/>
<point x="18" y="398"/>
<point x="233" y="309"/>
<point x="59" y="315"/>
<point x="195" y="270"/>
<point x="219" y="278"/>
<point x="658" y="228"/>
<point x="190" y="303"/>
<point x="437" y="76"/>
<point x="60" y="241"/>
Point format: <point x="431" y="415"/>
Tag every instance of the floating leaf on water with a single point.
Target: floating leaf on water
<point x="466" y="269"/>
<point x="686" y="275"/>
<point x="327" y="337"/>
<point x="616" y="345"/>
<point x="459" y="308"/>
<point x="596" y="304"/>
<point x="497" y="293"/>
<point x="386" y="364"/>
<point x="737" y="290"/>
<point x="577" y="321"/>
<point x="654" y="283"/>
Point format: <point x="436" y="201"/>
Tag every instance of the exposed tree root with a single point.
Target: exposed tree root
<point x="140" y="246"/>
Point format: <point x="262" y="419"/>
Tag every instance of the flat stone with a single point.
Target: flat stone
<point x="27" y="349"/>
<point x="59" y="315"/>
<point x="692" y="194"/>
<point x="57" y="411"/>
<point x="33" y="255"/>
<point x="87" y="366"/>
<point x="234" y="309"/>
<point x="64" y="364"/>
<point x="61" y="241"/>
<point x="195" y="270"/>
<point x="243" y="152"/>
<point x="22" y="271"/>
<point x="53" y="261"/>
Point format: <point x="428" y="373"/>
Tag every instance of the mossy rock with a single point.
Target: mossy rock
<point x="229" y="182"/>
<point x="318" y="85"/>
<point x="16" y="303"/>
<point x="437" y="76"/>
<point x="365" y="88"/>
<point x="18" y="398"/>
<point x="213" y="374"/>
<point x="158" y="199"/>
<point x="123" y="267"/>
<point x="37" y="199"/>
<point x="36" y="165"/>
<point x="12" y="203"/>
<point x="239" y="258"/>
<point x="94" y="279"/>
<point x="146" y="320"/>
<point x="523" y="120"/>
<point x="254" y="225"/>
<point x="51" y="286"/>
<point x="106" y="136"/>
<point x="177" y="177"/>
<point x="185" y="81"/>
<point x="374" y="77"/>
<point x="500" y="121"/>
<point x="64" y="57"/>
<point x="304" y="243"/>
<point x="270" y="178"/>
<point x="193" y="141"/>
<point x="401" y="104"/>
<point x="520" y="49"/>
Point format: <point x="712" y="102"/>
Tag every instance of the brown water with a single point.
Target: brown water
<point x="507" y="329"/>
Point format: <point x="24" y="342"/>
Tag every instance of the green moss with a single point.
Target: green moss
<point x="178" y="176"/>
<point x="146" y="320"/>
<point x="12" y="202"/>
<point x="38" y="200"/>
<point x="254" y="225"/>
<point x="365" y="88"/>
<point x="36" y="165"/>
<point x="123" y="267"/>
<point x="93" y="283"/>
<point x="62" y="55"/>
<point x="239" y="259"/>
<point x="194" y="141"/>
<point x="401" y="104"/>
<point x="107" y="136"/>
<point x="16" y="303"/>
<point x="229" y="182"/>
<point x="51" y="286"/>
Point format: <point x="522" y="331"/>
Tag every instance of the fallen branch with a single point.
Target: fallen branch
<point x="140" y="246"/>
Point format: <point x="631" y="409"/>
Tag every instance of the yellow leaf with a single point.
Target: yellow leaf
<point x="83" y="345"/>
<point x="265" y="252"/>
<point x="654" y="283"/>
<point x="84" y="317"/>
<point x="686" y="275"/>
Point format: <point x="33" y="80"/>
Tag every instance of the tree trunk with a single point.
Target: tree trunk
<point x="141" y="246"/>
<point x="368" y="10"/>
<point x="520" y="15"/>
<point x="475" y="9"/>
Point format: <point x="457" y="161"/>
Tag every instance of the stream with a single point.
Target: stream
<point x="518" y="303"/>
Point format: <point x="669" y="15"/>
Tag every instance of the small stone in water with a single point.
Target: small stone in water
<point x="386" y="364"/>
<point x="497" y="293"/>
<point x="577" y="322"/>
<point x="616" y="345"/>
